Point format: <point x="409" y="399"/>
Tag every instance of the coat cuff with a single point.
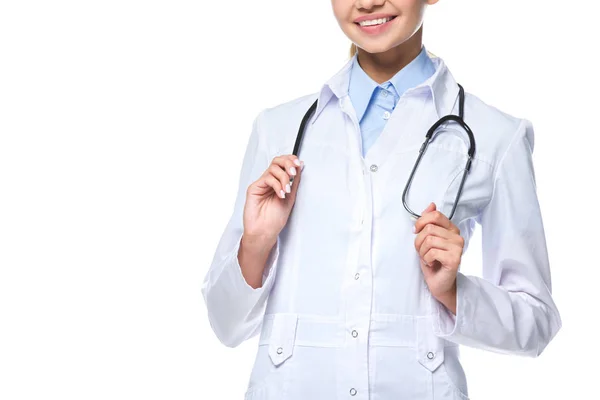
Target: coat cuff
<point x="445" y="323"/>
<point x="240" y="286"/>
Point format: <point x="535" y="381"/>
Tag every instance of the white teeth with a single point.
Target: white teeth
<point x="375" y="21"/>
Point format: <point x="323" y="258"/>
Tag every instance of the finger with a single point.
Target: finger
<point x="287" y="163"/>
<point x="431" y="207"/>
<point x="434" y="242"/>
<point x="270" y="181"/>
<point x="437" y="218"/>
<point x="428" y="209"/>
<point x="295" y="181"/>
<point x="432" y="256"/>
<point x="266" y="183"/>
<point x="430" y="269"/>
<point x="283" y="176"/>
<point x="436" y="230"/>
<point x="299" y="172"/>
<point x="447" y="259"/>
<point x="433" y="230"/>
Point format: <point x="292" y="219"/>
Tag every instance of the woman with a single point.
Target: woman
<point x="353" y="298"/>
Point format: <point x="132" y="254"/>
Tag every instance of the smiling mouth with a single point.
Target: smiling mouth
<point x="375" y="22"/>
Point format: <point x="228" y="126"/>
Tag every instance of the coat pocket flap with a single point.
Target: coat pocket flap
<point x="430" y="348"/>
<point x="283" y="336"/>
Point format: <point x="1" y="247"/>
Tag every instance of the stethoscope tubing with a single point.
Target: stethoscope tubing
<point x="428" y="137"/>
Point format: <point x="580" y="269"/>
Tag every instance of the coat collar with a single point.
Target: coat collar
<point x="441" y="85"/>
<point x="362" y="87"/>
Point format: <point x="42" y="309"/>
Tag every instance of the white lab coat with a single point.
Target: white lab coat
<point x="344" y="311"/>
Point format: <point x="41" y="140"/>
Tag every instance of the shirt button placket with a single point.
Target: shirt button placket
<point x="358" y="306"/>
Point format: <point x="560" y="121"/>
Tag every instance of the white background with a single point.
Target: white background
<point x="122" y="130"/>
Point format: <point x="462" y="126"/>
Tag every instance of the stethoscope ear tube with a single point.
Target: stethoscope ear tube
<point x="301" y="131"/>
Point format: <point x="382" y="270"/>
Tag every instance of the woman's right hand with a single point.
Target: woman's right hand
<point x="268" y="204"/>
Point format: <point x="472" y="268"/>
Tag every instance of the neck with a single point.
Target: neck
<point x="383" y="66"/>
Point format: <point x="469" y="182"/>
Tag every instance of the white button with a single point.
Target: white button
<point x="384" y="93"/>
<point x="374" y="168"/>
<point x="352" y="392"/>
<point x="386" y="115"/>
<point x="430" y="355"/>
<point x="354" y="333"/>
<point x="279" y="350"/>
<point x="356" y="276"/>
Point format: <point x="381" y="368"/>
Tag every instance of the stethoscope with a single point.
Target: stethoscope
<point x="450" y="117"/>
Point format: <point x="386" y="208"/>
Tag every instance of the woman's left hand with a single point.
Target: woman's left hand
<point x="440" y="248"/>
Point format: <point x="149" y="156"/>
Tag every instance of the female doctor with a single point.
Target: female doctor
<point x="353" y="296"/>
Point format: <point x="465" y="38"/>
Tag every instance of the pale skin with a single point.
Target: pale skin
<point x="269" y="201"/>
<point x="440" y="247"/>
<point x="438" y="241"/>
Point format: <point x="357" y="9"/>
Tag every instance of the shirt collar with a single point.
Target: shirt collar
<point x="362" y="86"/>
<point x="442" y="86"/>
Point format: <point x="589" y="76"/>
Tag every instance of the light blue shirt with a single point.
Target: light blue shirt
<point x="374" y="103"/>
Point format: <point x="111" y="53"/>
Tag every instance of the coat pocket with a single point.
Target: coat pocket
<point x="270" y="374"/>
<point x="283" y="336"/>
<point x="430" y="348"/>
<point x="447" y="376"/>
<point x="452" y="374"/>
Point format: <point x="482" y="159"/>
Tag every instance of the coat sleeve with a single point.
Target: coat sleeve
<point x="510" y="308"/>
<point x="235" y="309"/>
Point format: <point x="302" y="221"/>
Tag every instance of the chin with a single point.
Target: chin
<point x="375" y="48"/>
<point x="379" y="45"/>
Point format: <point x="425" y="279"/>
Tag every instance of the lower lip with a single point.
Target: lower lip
<point x="376" y="29"/>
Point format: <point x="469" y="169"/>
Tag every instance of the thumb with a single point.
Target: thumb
<point x="430" y="207"/>
<point x="296" y="181"/>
